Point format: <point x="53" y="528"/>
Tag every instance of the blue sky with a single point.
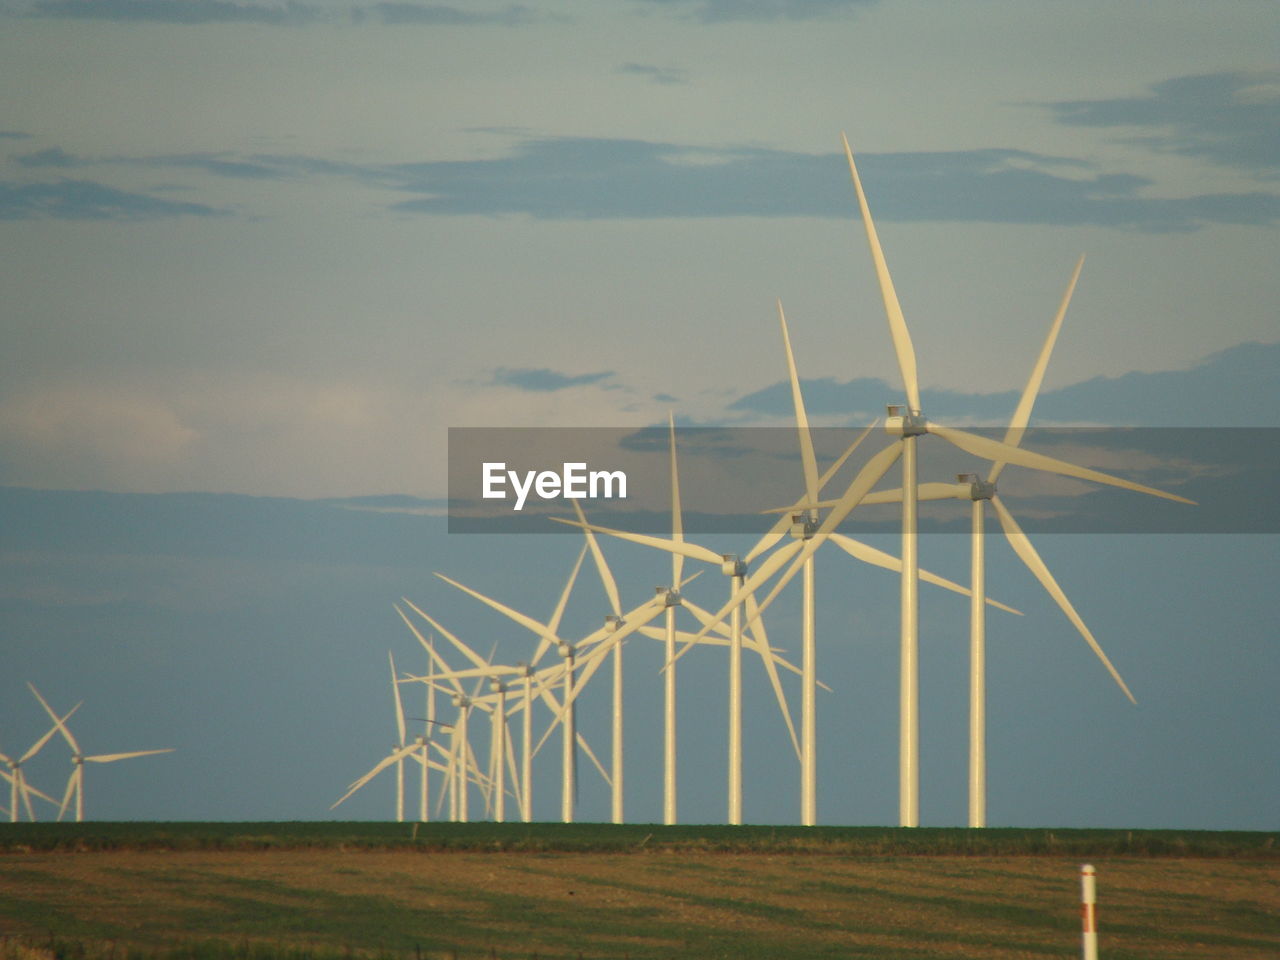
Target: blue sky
<point x="277" y="249"/>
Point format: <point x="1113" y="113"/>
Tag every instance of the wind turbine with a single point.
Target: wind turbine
<point x="586" y="654"/>
<point x="19" y="789"/>
<point x="909" y="424"/>
<point x="75" y="783"/>
<point x="448" y="679"/>
<point x="969" y="487"/>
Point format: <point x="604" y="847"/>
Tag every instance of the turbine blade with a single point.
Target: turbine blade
<point x="867" y="477"/>
<point x="429" y="647"/>
<point x="807" y="457"/>
<point x="525" y="621"/>
<point x="779" y="529"/>
<point x="57" y="724"/>
<point x="586" y="748"/>
<point x="878" y="558"/>
<point x="677" y="518"/>
<point x="692" y="550"/>
<point x="69" y="792"/>
<point x="996" y="451"/>
<point x="1022" y="415"/>
<point x="767" y="569"/>
<point x="893" y="310"/>
<point x="924" y="491"/>
<point x="767" y="658"/>
<point x="113" y="757"/>
<point x="66" y="733"/>
<point x="554" y="623"/>
<point x="602" y="567"/>
<point x="591" y="662"/>
<point x="462" y="648"/>
<point x="395" y="690"/>
<point x="1027" y="553"/>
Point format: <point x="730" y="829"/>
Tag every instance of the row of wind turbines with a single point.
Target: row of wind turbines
<point x="785" y="550"/>
<point x="22" y="792"/>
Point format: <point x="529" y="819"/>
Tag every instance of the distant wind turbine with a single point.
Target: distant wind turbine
<point x="75" y="783"/>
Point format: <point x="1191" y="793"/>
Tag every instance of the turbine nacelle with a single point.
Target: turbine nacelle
<point x="803" y="525"/>
<point x="669" y="596"/>
<point x="979" y="489"/>
<point x="902" y="422"/>
<point x="733" y="565"/>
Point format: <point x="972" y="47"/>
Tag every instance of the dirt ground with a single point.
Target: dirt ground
<point x="640" y="905"/>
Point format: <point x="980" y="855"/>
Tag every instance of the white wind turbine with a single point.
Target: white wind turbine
<point x="548" y="637"/>
<point x="586" y="654"/>
<point x="734" y="568"/>
<point x="19" y="789"/>
<point x="538" y="682"/>
<point x="909" y="425"/>
<point x="805" y="525"/>
<point x="979" y="492"/>
<point x="445" y="678"/>
<point x="75" y="783"/>
<point x="801" y="521"/>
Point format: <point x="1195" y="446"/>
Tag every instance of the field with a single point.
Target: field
<point x="592" y="891"/>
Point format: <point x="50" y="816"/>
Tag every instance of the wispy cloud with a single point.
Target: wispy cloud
<point x="434" y="14"/>
<point x="580" y="178"/>
<point x="1229" y="118"/>
<point x="1177" y="398"/>
<point x="660" y="75"/>
<point x="14" y="135"/>
<point x="87" y="200"/>
<point x="720" y="11"/>
<point x="544" y="380"/>
<point x="290" y="13"/>
<point x="576" y="178"/>
<point x="177" y="11"/>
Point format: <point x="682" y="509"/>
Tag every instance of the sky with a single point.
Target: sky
<point x="273" y="251"/>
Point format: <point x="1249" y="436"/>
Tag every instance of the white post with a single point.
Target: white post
<point x="977" y="673"/>
<point x="1089" y="911"/>
<point x="809" y="704"/>
<point x="669" y="724"/>
<point x="909" y="731"/>
<point x="399" y="786"/>
<point x="500" y="779"/>
<point x="568" y="785"/>
<point x="526" y="758"/>
<point x="617" y="799"/>
<point x="735" y="707"/>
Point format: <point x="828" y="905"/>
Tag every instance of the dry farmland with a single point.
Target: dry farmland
<point x="657" y="899"/>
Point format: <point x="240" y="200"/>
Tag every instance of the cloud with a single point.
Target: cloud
<point x="53" y="157"/>
<point x="578" y="178"/>
<point x="1229" y="118"/>
<point x="660" y="75"/>
<point x="1175" y="398"/>
<point x="443" y="15"/>
<point x="721" y="11"/>
<point x="86" y="200"/>
<point x="176" y="11"/>
<point x="14" y="135"/>
<point x="584" y="178"/>
<point x="543" y="380"/>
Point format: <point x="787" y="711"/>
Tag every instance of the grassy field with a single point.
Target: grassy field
<point x="259" y="891"/>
